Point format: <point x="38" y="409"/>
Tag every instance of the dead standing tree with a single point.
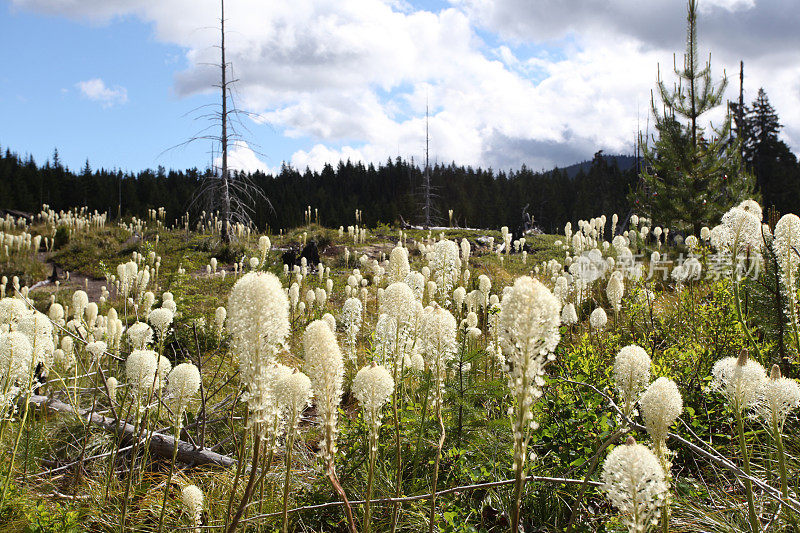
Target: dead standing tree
<point x="428" y="192"/>
<point x="232" y="194"/>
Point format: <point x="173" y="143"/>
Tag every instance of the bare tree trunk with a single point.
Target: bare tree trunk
<point x="427" y="174"/>
<point x="226" y="195"/>
<point x="740" y="117"/>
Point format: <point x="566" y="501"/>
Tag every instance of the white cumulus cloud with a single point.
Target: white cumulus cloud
<point x="242" y="157"/>
<point x="506" y="82"/>
<point x="97" y="90"/>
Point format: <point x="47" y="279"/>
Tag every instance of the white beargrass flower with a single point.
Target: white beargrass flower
<point x="561" y="288"/>
<point x="16" y="360"/>
<point x="399" y="303"/>
<point x="398" y="265"/>
<point x="787" y="247"/>
<point x="372" y="387"/>
<point x="352" y="312"/>
<point x="742" y="228"/>
<point x="445" y="265"/>
<point x="192" y="498"/>
<point x="79" y="302"/>
<point x="634" y="483"/>
<point x="528" y="334"/>
<point x="111" y="385"/>
<point x="739" y="379"/>
<point x="161" y="319"/>
<point x="417" y="362"/>
<point x="91" y="313"/>
<point x="416" y="282"/>
<point x="140" y="370"/>
<point x="264" y="245"/>
<point x="294" y="389"/>
<point x="615" y="290"/>
<point x="631" y="374"/>
<point x="258" y="317"/>
<point x="67" y="344"/>
<point x="140" y="335"/>
<point x="568" y="314"/>
<point x="598" y="319"/>
<point x="258" y="320"/>
<point x="96" y="349"/>
<point x="39" y="330"/>
<point x="183" y="382"/>
<point x="56" y="313"/>
<point x="169" y="304"/>
<point x="661" y="404"/>
<point x="220" y="314"/>
<point x="11" y="309"/>
<point x="485" y="286"/>
<point x="777" y="398"/>
<point x="459" y="295"/>
<point x="325" y="367"/>
<point x="438" y="340"/>
<point x="330" y="320"/>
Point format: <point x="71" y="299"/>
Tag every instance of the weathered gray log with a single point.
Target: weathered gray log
<point x="160" y="444"/>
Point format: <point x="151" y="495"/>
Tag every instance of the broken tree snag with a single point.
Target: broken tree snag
<point x="160" y="444"/>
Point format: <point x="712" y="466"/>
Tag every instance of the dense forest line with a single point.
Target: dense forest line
<point x="391" y="192"/>
<point x="386" y="193"/>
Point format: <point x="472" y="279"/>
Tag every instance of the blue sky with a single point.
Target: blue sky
<point x="509" y="81"/>
<point x="43" y="107"/>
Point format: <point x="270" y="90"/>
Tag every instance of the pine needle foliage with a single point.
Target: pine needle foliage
<point x="690" y="176"/>
<point x="768" y="305"/>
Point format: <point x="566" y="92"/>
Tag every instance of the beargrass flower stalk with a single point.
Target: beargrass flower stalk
<point x="528" y="334"/>
<point x="372" y="387"/>
<point x="264" y="245"/>
<point x="740" y="379"/>
<point x="258" y="321"/>
<point x="445" y="265"/>
<point x="325" y="368"/>
<point x="400" y="306"/>
<point x="777" y="398"/>
<point x="739" y="232"/>
<point x="39" y="332"/>
<point x="439" y="344"/>
<point x="16" y="356"/>
<point x="111" y="386"/>
<point x="631" y="375"/>
<point x="398" y="265"/>
<point x="787" y="247"/>
<point x="615" y="290"/>
<point x="661" y="405"/>
<point x="352" y="312"/>
<point x="295" y="390"/>
<point x="192" y="498"/>
<point x="183" y="382"/>
<point x="141" y="368"/>
<point x="157" y="390"/>
<point x="220" y="314"/>
<point x="634" y="483"/>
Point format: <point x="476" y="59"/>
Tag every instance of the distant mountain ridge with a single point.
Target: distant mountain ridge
<point x="624" y="162"/>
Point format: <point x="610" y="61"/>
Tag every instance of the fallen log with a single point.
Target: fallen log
<point x="160" y="444"/>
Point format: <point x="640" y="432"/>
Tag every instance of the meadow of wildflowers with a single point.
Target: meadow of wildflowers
<point x="618" y="376"/>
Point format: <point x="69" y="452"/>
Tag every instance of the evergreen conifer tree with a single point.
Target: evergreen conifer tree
<point x="690" y="176"/>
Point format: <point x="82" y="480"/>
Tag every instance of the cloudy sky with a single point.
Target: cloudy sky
<point x="539" y="82"/>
